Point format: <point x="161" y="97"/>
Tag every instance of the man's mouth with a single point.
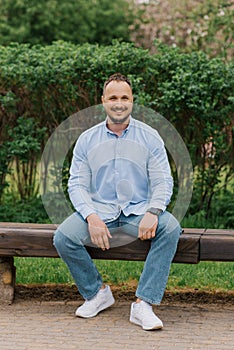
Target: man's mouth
<point x="119" y="110"/>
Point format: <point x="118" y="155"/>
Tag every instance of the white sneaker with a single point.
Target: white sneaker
<point x="102" y="300"/>
<point x="142" y="314"/>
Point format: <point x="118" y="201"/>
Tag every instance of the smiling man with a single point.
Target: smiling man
<point x="119" y="180"/>
<point x="117" y="100"/>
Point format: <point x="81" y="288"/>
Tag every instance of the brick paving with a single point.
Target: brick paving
<point x="27" y="325"/>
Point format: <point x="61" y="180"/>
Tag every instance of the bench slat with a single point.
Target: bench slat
<point x="36" y="240"/>
<point x="217" y="245"/>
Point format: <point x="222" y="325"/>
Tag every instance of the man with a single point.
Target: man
<point x="119" y="179"/>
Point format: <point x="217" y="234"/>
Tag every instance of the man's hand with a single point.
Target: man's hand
<point x="148" y="226"/>
<point x="98" y="231"/>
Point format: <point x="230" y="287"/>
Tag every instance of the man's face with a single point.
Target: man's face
<point x="118" y="101"/>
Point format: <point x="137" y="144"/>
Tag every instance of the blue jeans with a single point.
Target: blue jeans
<point x="72" y="235"/>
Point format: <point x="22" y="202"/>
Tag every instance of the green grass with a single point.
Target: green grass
<point x="203" y="276"/>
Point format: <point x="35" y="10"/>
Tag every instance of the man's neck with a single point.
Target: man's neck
<point x="117" y="128"/>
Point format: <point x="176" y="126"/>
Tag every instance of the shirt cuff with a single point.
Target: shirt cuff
<point x="86" y="212"/>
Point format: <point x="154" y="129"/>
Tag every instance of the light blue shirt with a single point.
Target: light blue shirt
<point x="127" y="173"/>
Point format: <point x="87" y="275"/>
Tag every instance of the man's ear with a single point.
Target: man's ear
<point x="102" y="98"/>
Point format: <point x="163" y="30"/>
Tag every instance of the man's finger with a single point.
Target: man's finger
<point x="100" y="243"/>
<point x="108" y="233"/>
<point x="147" y="234"/>
<point x="106" y="242"/>
<point x="141" y="232"/>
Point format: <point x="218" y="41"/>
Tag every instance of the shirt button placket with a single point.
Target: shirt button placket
<point x="116" y="160"/>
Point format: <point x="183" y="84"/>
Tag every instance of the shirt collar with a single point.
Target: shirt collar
<point x="131" y="122"/>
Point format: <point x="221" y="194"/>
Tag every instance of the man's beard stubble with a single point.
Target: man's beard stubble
<point x="117" y="120"/>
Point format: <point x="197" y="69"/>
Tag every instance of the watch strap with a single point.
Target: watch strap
<point x="154" y="211"/>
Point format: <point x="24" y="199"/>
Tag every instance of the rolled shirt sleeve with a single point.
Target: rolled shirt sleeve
<point x="161" y="181"/>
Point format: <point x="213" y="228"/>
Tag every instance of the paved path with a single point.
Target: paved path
<point x="27" y="325"/>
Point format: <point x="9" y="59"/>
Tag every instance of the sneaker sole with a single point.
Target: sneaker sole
<point x="137" y="322"/>
<point x="108" y="303"/>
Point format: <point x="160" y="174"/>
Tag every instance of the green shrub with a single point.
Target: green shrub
<point x="47" y="84"/>
<point x="44" y="21"/>
<point x="30" y="210"/>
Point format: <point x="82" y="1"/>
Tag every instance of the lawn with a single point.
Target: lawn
<point x="212" y="276"/>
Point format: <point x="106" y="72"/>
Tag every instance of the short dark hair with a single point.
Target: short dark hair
<point x="117" y="77"/>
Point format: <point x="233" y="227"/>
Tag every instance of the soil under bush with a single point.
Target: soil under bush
<point x="121" y="293"/>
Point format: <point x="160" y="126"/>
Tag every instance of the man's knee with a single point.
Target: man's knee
<point x="57" y="239"/>
<point x="169" y="224"/>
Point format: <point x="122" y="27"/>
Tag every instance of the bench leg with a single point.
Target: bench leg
<point x="7" y="280"/>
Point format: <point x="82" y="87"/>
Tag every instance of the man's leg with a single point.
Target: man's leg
<point x="155" y="273"/>
<point x="156" y="270"/>
<point x="81" y="266"/>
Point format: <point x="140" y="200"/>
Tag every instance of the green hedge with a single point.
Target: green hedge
<point x="42" y="85"/>
<point x="76" y="21"/>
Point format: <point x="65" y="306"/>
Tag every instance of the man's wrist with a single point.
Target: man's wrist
<point x="90" y="216"/>
<point x="154" y="211"/>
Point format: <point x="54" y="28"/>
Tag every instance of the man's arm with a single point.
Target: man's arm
<point x="160" y="179"/>
<point x="161" y="183"/>
<point x="79" y="183"/>
<point x="79" y="186"/>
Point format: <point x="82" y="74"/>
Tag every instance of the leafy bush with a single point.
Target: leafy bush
<point x="44" y="21"/>
<point x="4" y="162"/>
<point x="30" y="210"/>
<point x="195" y="93"/>
<point x="25" y="141"/>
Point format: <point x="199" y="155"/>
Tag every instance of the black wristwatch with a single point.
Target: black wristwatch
<point x="154" y="211"/>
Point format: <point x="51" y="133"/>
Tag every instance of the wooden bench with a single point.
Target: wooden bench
<point x="36" y="240"/>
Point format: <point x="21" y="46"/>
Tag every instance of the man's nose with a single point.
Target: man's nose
<point x="119" y="102"/>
